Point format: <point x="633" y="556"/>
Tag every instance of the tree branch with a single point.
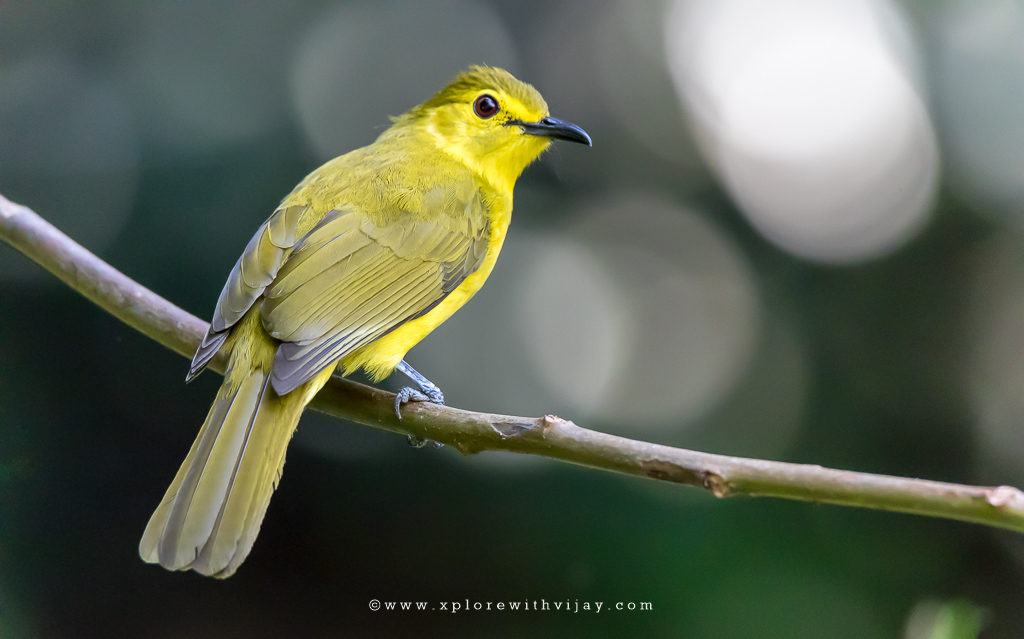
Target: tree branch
<point x="548" y="436"/>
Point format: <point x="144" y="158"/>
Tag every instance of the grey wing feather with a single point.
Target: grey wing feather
<point x="252" y="273"/>
<point x="211" y="343"/>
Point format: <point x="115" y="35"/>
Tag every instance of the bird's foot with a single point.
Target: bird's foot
<point x="429" y="393"/>
<point x="411" y="394"/>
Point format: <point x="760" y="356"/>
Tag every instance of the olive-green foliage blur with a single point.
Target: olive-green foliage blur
<point x="161" y="134"/>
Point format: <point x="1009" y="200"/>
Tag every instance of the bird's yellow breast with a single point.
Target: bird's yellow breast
<point x="379" y="358"/>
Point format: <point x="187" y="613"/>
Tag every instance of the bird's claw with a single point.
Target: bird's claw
<point x="410" y="394"/>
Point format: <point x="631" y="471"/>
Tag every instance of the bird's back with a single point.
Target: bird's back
<point x="400" y="176"/>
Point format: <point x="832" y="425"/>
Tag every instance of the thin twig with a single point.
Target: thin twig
<point x="548" y="436"/>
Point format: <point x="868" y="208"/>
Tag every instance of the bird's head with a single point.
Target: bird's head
<point x="492" y="122"/>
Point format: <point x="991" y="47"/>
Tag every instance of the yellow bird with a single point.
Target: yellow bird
<point x="366" y="256"/>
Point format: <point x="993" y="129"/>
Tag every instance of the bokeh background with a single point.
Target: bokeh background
<point x="799" y="236"/>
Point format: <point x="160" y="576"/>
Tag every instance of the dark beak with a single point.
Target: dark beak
<point x="556" y="129"/>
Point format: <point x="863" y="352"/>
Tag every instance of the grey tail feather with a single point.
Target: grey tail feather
<point x="210" y="515"/>
<point x="211" y="343"/>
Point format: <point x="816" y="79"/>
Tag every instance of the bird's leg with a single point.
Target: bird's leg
<point x="428" y="391"/>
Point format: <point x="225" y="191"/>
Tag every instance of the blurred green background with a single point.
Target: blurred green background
<point x="798" y="236"/>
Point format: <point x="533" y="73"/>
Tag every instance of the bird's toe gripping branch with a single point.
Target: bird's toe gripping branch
<point x="427" y="392"/>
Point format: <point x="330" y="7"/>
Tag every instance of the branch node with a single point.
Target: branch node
<point x="8" y="209"/>
<point x="551" y="421"/>
<point x="1004" y="497"/>
<point x="716" y="484"/>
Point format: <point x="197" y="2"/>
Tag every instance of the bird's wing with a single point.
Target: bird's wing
<point x="252" y="273"/>
<point x="350" y="281"/>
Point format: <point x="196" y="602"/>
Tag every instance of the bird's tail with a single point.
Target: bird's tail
<point x="210" y="515"/>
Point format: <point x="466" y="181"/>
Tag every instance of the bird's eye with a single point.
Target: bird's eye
<point x="485" y="106"/>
